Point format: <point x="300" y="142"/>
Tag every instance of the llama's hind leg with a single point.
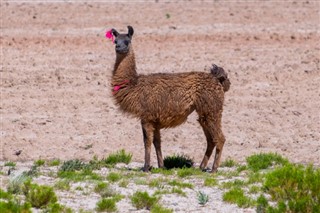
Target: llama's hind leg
<point x="220" y="143"/>
<point x="148" y="135"/>
<point x="157" y="146"/>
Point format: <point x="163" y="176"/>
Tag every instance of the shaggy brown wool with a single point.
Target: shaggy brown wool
<point x="165" y="100"/>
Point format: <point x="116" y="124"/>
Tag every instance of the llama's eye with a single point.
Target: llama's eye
<point x="126" y="42"/>
<point x="116" y="42"/>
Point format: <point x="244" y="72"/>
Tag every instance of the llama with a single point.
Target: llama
<point x="165" y="100"/>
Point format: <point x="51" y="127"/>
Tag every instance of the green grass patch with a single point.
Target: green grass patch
<point x="114" y="177"/>
<point x="236" y="195"/>
<point x="294" y="187"/>
<point x="63" y="185"/>
<point x="186" y="172"/>
<point x="77" y="176"/>
<point x="106" y="205"/>
<point x="119" y="157"/>
<point x="39" y="162"/>
<point x="229" y="163"/>
<point x="160" y="209"/>
<point x="180" y="184"/>
<point x="264" y="160"/>
<point x="54" y="162"/>
<point x="210" y="181"/>
<point x="231" y="184"/>
<point x="165" y="172"/>
<point x="72" y="165"/>
<point x="14" y="205"/>
<point x="10" y="164"/>
<point x="142" y="200"/>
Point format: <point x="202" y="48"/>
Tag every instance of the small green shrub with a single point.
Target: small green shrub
<point x="124" y="183"/>
<point x="39" y="196"/>
<point x="106" y="205"/>
<point x="160" y="209"/>
<point x="177" y="161"/>
<point x="119" y="157"/>
<point x="179" y="191"/>
<point x="162" y="171"/>
<point x="13" y="206"/>
<point x="236" y="195"/>
<point x="202" y="198"/>
<point x="142" y="200"/>
<point x="5" y="195"/>
<point x="72" y="165"/>
<point x="231" y="184"/>
<point x="264" y="160"/>
<point x="57" y="208"/>
<point x="39" y="162"/>
<point x="228" y="163"/>
<point x="296" y="188"/>
<point x="113" y="177"/>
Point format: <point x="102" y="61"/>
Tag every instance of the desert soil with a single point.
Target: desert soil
<point x="56" y="65"/>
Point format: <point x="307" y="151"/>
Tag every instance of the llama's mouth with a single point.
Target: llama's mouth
<point x="122" y="51"/>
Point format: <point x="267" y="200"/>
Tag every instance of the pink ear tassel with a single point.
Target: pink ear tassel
<point x="109" y="35"/>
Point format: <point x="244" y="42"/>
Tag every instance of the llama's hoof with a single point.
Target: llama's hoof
<point x="206" y="169"/>
<point x="146" y="169"/>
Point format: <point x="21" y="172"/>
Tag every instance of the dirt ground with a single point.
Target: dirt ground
<point x="56" y="65"/>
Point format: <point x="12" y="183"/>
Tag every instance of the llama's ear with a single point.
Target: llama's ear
<point x="114" y="32"/>
<point x="130" y="31"/>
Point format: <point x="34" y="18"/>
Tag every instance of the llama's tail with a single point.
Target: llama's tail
<point x="222" y="76"/>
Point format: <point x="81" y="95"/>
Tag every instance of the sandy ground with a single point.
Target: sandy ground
<point x="56" y="65"/>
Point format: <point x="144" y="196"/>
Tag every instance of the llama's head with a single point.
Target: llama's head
<point x="123" y="41"/>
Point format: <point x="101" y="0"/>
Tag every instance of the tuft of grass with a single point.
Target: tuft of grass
<point x="124" y="183"/>
<point x="119" y="157"/>
<point x="165" y="172"/>
<point x="77" y="176"/>
<point x="228" y="163"/>
<point x="236" y="195"/>
<point x="180" y="184"/>
<point x="39" y="162"/>
<point x="202" y="198"/>
<point x="10" y="164"/>
<point x="57" y="208"/>
<point x="113" y="177"/>
<point x="54" y="162"/>
<point x="179" y="191"/>
<point x="39" y="196"/>
<point x="241" y="168"/>
<point x="296" y="188"/>
<point x="15" y="185"/>
<point x="142" y="200"/>
<point x="230" y="184"/>
<point x="14" y="205"/>
<point x="177" y="161"/>
<point x="158" y="182"/>
<point x="255" y="177"/>
<point x="254" y="189"/>
<point x="160" y="209"/>
<point x="185" y="172"/>
<point x="210" y="181"/>
<point x="262" y="204"/>
<point x="63" y="185"/>
<point x="264" y="160"/>
<point x="72" y="165"/>
<point x="106" y="205"/>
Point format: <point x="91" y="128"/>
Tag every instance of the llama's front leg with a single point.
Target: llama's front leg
<point x="157" y="146"/>
<point x="147" y="130"/>
<point x="220" y="142"/>
<point x="210" y="145"/>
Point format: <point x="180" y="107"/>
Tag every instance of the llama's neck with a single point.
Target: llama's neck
<point x="125" y="68"/>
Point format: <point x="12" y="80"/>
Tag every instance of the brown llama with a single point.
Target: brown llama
<point x="165" y="100"/>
